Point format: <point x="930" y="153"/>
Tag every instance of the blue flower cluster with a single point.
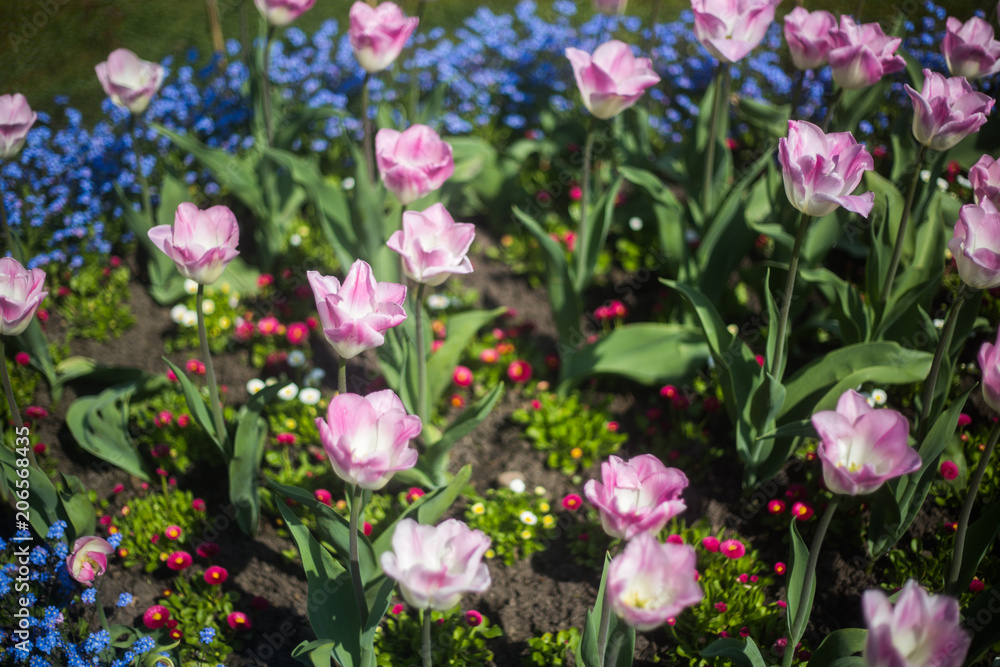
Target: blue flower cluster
<point x="499" y="72"/>
<point x="47" y="645"/>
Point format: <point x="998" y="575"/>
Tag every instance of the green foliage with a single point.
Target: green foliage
<point x="170" y="436"/>
<point x="143" y="520"/>
<point x="23" y="381"/>
<point x="549" y="649"/>
<point x="94" y="300"/>
<point x="519" y="524"/>
<point x="196" y="605"/>
<point x="575" y="434"/>
<point x="455" y="641"/>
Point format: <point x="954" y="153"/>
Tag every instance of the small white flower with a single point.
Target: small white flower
<point x="190" y="318"/>
<point x="925" y="175"/>
<point x="963" y="181"/>
<point x="288" y="392"/>
<point x="942" y="185"/>
<point x="938" y="323"/>
<point x="540" y="491"/>
<point x="190" y="286"/>
<point x="296" y="358"/>
<point x="635" y="223"/>
<point x="879" y="397"/>
<point x="348" y="183"/>
<point x="438" y="302"/>
<point x="517" y="486"/>
<point x="208" y="306"/>
<point x="528" y="518"/>
<point x="310" y="396"/>
<point x="295" y="240"/>
<point x="255" y="385"/>
<point x="234" y="300"/>
<point x="177" y="313"/>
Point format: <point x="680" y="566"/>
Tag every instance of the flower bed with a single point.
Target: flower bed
<point x="388" y="345"/>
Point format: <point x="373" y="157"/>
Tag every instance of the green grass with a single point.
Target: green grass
<point x="72" y="36"/>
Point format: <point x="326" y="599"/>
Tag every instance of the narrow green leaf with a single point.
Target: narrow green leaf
<point x="796" y="576"/>
<point x="594" y="233"/>
<point x="743" y="654"/>
<point x="462" y="328"/>
<point x="979" y="539"/>
<point x="838" y="644"/>
<point x="199" y="409"/>
<point x="248" y="451"/>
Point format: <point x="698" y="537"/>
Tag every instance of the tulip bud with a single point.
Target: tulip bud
<point x="89" y="559"/>
<point x="808" y="36"/>
<point x="860" y="55"/>
<point x="21" y="292"/>
<point x="378" y="34"/>
<point x="946" y="111"/>
<point x="433" y="245"/>
<point x="282" y="12"/>
<point x="413" y="163"/>
<point x="975" y="245"/>
<point x="969" y="48"/>
<point x="612" y="79"/>
<point x="16" y="118"/>
<point x="129" y="81"/>
<point x="730" y="30"/>
<point x="201" y="243"/>
<point x="636" y="496"/>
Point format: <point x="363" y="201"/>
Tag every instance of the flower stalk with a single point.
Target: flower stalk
<point x="147" y="200"/>
<point x="713" y="131"/>
<point x="583" y="230"/>
<point x="897" y="251"/>
<point x="421" y="355"/>
<point x="947" y="333"/>
<point x="266" y="84"/>
<point x="213" y="387"/>
<point x="357" y="501"/>
<point x="426" y="615"/>
<point x="963" y="519"/>
<point x="778" y="363"/>
<point x="8" y="390"/>
<point x="366" y="123"/>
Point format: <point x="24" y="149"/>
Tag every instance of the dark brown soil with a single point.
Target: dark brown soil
<point x="545" y="593"/>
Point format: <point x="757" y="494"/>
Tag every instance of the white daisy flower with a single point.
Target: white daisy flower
<point x="635" y="223"/>
<point x="177" y="313"/>
<point x="208" y="306"/>
<point x="190" y="318"/>
<point x="296" y="358"/>
<point x="310" y="396"/>
<point x="190" y="286"/>
<point x="348" y="183"/>
<point x="295" y="240"/>
<point x="517" y="486"/>
<point x="315" y="377"/>
<point x="879" y="397"/>
<point x="288" y="392"/>
<point x="528" y="518"/>
<point x="255" y="385"/>
<point x="438" y="302"/>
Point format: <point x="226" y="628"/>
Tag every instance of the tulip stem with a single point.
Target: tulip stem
<point x="415" y="71"/>
<point x="357" y="501"/>
<point x="366" y="123"/>
<point x="342" y="376"/>
<point x="213" y="387"/>
<point x="426" y="649"/>
<point x="583" y="229"/>
<point x="266" y="85"/>
<point x="615" y="647"/>
<point x="421" y="355"/>
<point x="963" y="519"/>
<point x="897" y="251"/>
<point x="942" y="349"/>
<point x="147" y="200"/>
<point x="805" y="606"/>
<point x="778" y="363"/>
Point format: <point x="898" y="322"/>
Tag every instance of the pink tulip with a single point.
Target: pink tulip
<point x="637" y="496"/>
<point x="435" y="565"/>
<point x="367" y="437"/>
<point x="919" y="630"/>
<point x="808" y="36"/>
<point x="89" y="559"/>
<point x="433" y="245"/>
<point x="612" y="79"/>
<point x="21" y="292"/>
<point x="378" y="34"/>
<point x="650" y="583"/>
<point x="946" y="110"/>
<point x="610" y="7"/>
<point x="283" y="12"/>
<point x="969" y="48"/>
<point x="413" y="163"/>
<point x="16" y="118"/>
<point x="730" y="29"/>
<point x="975" y="245"/>
<point x="201" y="243"/>
<point x="821" y="170"/>
<point x="356" y="315"/>
<point x="989" y="365"/>
<point x="128" y="81"/>
<point x="860" y="55"/>
<point x="985" y="179"/>
<point x="861" y="447"/>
